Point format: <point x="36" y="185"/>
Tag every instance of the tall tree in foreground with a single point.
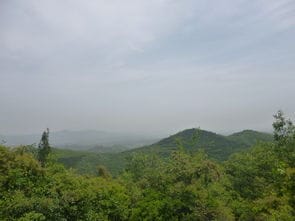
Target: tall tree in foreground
<point x="284" y="136"/>
<point x="44" y="148"/>
<point x="284" y="129"/>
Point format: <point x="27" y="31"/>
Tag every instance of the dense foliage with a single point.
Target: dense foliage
<point x="257" y="184"/>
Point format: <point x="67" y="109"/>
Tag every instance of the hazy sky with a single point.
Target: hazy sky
<point x="145" y="66"/>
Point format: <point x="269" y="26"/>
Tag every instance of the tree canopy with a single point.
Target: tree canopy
<point x="256" y="184"/>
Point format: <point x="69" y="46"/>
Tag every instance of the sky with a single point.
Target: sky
<point x="145" y="66"/>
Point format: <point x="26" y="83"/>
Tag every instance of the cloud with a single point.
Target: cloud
<point x="61" y="33"/>
<point x="105" y="28"/>
<point x="83" y="60"/>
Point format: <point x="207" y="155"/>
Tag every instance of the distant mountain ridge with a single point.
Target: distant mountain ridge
<point x="215" y="145"/>
<point x="81" y="140"/>
<point x="250" y="137"/>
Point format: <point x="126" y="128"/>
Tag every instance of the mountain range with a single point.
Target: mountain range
<point x="218" y="147"/>
<point x="83" y="140"/>
<point x="215" y="145"/>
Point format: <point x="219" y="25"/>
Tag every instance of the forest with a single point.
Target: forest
<point x="255" y="183"/>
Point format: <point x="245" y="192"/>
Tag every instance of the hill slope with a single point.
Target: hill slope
<point x="86" y="162"/>
<point x="250" y="137"/>
<point x="216" y="146"/>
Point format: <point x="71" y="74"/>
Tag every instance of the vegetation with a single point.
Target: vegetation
<point x="256" y="184"/>
<point x="250" y="137"/>
<point x="44" y="148"/>
<point x="85" y="162"/>
<point x="217" y="147"/>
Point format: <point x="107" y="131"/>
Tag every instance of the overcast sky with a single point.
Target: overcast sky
<point x="145" y="66"/>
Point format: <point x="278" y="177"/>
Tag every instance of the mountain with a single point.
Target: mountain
<point x="217" y="146"/>
<point x="15" y="140"/>
<point x="250" y="137"/>
<point x="109" y="149"/>
<point x="83" y="140"/>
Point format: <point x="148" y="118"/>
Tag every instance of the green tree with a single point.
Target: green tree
<point x="262" y="178"/>
<point x="44" y="148"/>
<point x="284" y="130"/>
<point x="284" y="136"/>
<point x="102" y="171"/>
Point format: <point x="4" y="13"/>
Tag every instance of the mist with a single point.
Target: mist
<point x="145" y="67"/>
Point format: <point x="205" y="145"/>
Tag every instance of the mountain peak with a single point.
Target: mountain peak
<point x="215" y="145"/>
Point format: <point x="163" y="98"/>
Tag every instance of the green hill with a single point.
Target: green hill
<point x="217" y="147"/>
<point x="86" y="162"/>
<point x="250" y="137"/>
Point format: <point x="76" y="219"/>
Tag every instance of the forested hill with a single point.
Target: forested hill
<point x="215" y="145"/>
<point x="250" y="137"/>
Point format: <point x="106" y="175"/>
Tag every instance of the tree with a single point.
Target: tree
<point x="284" y="136"/>
<point x="284" y="129"/>
<point x="44" y="148"/>
<point x="102" y="171"/>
